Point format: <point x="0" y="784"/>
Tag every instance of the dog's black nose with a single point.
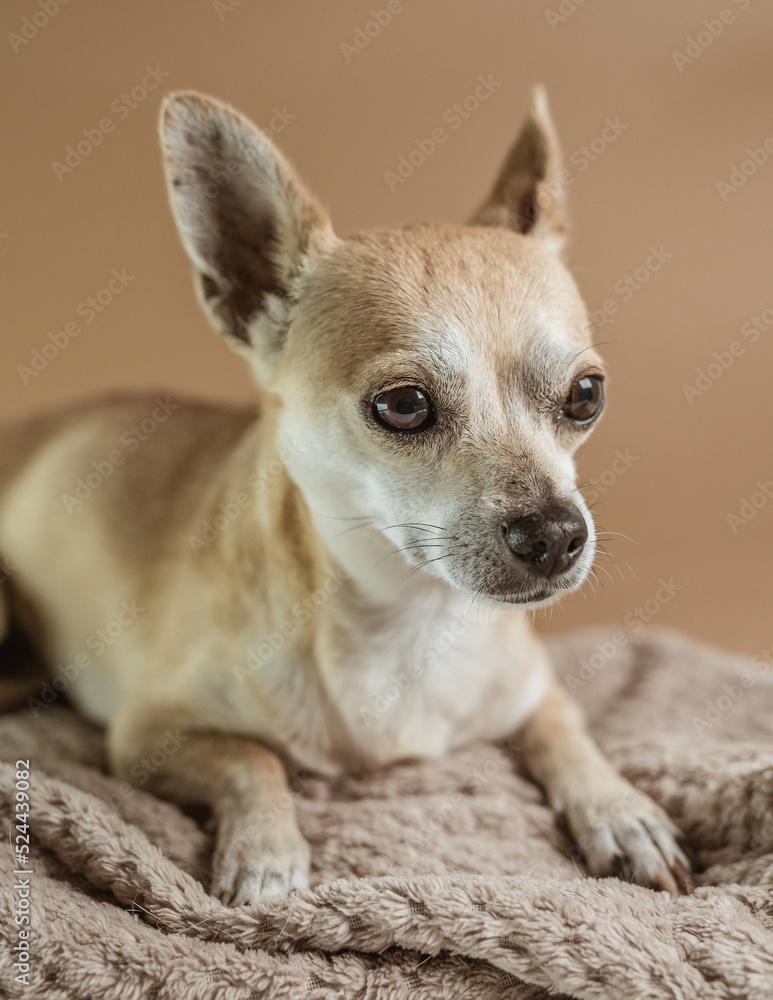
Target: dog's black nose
<point x="547" y="543"/>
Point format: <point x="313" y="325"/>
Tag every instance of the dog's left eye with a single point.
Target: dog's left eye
<point x="585" y="400"/>
<point x="405" y="409"/>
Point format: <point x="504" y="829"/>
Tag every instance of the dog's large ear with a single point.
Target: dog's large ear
<point x="528" y="194"/>
<point x="245" y="219"/>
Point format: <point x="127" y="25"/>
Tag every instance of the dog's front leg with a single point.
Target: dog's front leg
<point x="259" y="849"/>
<point x="620" y="830"/>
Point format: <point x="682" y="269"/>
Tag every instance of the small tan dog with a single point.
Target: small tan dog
<point x="242" y="588"/>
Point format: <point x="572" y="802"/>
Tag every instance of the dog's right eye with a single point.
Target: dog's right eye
<point x="585" y="401"/>
<point x="405" y="409"/>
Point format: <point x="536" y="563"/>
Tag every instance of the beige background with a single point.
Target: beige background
<point x="653" y="186"/>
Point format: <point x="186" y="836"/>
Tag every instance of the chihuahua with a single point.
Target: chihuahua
<point x="300" y="585"/>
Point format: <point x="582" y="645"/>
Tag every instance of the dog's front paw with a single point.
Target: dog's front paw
<point x="628" y="835"/>
<point x="250" y="864"/>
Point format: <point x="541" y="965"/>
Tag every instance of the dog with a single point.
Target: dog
<point x="245" y="583"/>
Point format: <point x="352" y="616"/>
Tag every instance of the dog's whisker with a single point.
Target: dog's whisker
<point x="614" y="565"/>
<point x="591" y="578"/>
<point x="557" y="601"/>
<point x="365" y="522"/>
<point x="419" y="525"/>
<point x="602" y="584"/>
<point x="380" y="531"/>
<point x="412" y="546"/>
<point x="628" y="566"/>
<point x="346" y="531"/>
<point x="613" y="559"/>
<point x="617" y="534"/>
<point x="606" y="572"/>
<point x="426" y="562"/>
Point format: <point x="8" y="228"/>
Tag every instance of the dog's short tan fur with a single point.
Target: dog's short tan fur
<point x="350" y="551"/>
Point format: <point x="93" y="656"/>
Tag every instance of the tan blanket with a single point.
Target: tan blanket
<point x="437" y="879"/>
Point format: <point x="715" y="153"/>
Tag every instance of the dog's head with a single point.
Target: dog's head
<point x="431" y="383"/>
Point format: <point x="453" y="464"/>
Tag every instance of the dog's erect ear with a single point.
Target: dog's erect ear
<point x="528" y="195"/>
<point x="245" y="219"/>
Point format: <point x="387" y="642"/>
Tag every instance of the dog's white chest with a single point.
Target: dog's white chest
<point x="418" y="688"/>
<point x="404" y="699"/>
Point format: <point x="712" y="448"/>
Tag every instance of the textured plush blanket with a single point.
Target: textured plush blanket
<point x="435" y="879"/>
